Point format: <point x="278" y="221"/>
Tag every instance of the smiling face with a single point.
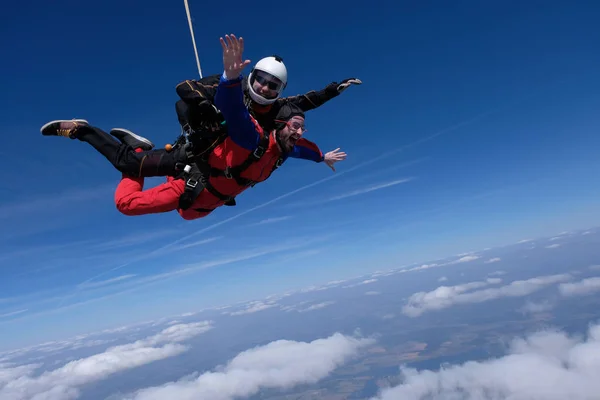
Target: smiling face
<point x="291" y="132"/>
<point x="266" y="85"/>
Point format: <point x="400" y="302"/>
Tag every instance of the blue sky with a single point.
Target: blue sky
<point x="476" y="125"/>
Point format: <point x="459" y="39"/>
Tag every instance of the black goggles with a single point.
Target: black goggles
<point x="268" y="80"/>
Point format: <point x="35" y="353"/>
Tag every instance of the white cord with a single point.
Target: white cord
<point x="187" y="10"/>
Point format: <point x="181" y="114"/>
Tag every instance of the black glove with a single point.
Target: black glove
<point x="208" y="111"/>
<point x="207" y="117"/>
<point x="345" y="84"/>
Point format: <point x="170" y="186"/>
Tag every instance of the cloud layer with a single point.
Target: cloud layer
<point x="62" y="384"/>
<point x="547" y="365"/>
<point x="446" y="296"/>
<point x="280" y="364"/>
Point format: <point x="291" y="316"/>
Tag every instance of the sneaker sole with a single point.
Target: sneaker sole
<point x="139" y="138"/>
<point x="83" y="121"/>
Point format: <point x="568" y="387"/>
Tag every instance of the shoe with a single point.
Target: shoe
<point x="63" y="127"/>
<point x="131" y="139"/>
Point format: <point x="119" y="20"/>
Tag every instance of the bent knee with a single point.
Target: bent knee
<point x="125" y="206"/>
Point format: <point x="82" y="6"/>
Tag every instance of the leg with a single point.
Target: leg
<point x="122" y="156"/>
<point x="130" y="199"/>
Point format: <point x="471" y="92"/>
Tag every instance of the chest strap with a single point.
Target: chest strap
<point x="197" y="179"/>
<point x="256" y="155"/>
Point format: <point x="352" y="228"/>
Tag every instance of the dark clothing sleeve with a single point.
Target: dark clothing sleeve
<point x="314" y="99"/>
<point x="194" y="92"/>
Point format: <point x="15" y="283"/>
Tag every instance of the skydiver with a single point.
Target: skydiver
<point x="247" y="156"/>
<point x="202" y="121"/>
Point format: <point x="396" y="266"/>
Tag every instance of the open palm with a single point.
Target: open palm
<point x="334" y="156"/>
<point x="232" y="56"/>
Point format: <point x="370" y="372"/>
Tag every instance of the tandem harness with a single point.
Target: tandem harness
<point x="197" y="177"/>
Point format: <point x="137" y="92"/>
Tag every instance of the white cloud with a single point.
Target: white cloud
<point x="447" y="296"/>
<point x="63" y="383"/>
<point x="365" y="282"/>
<point x="76" y="342"/>
<point x="465" y="259"/>
<point x="546" y="365"/>
<point x="188" y="314"/>
<point x="442" y="297"/>
<point x="8" y="372"/>
<point x="372" y="293"/>
<point x="583" y="287"/>
<point x="493" y="260"/>
<point x="297" y="307"/>
<point x="442" y="279"/>
<point x="252" y="307"/>
<point x="293" y="307"/>
<point x="424" y="266"/>
<point x="318" y="306"/>
<point x="497" y="273"/>
<point x="382" y="273"/>
<point x="553" y="246"/>
<point x="282" y="364"/>
<point x="531" y="307"/>
<point x="336" y="283"/>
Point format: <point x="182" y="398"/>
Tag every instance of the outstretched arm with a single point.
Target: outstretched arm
<point x="314" y="99"/>
<point x="229" y="98"/>
<point x="308" y="150"/>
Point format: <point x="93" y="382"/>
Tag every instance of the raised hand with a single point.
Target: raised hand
<point x="334" y="156"/>
<point x="232" y="56"/>
<point x="345" y="84"/>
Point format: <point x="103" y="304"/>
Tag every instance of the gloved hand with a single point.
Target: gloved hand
<point x="345" y="84"/>
<point x="208" y="111"/>
<point x="209" y="117"/>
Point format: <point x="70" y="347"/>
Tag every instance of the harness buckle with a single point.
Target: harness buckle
<point x="259" y="152"/>
<point x="191" y="183"/>
<point x="227" y="173"/>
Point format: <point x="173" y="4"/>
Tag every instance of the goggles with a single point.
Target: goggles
<point x="294" y="125"/>
<point x="268" y="80"/>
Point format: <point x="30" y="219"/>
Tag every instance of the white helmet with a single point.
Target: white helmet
<point x="273" y="70"/>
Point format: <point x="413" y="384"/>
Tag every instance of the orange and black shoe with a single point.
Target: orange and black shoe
<point x="63" y="127"/>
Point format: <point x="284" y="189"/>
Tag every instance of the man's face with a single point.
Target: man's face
<point x="293" y="130"/>
<point x="266" y="85"/>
